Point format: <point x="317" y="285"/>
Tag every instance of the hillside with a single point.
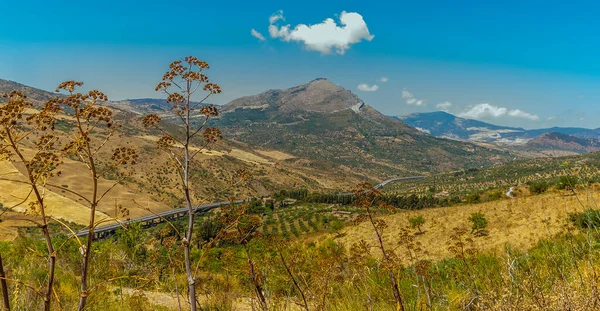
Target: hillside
<point x="155" y="188"/>
<point x="443" y="124"/>
<point x="35" y="95"/>
<point x="554" y="140"/>
<point x="325" y="123"/>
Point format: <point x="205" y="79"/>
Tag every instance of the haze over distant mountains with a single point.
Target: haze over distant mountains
<point x="443" y="124"/>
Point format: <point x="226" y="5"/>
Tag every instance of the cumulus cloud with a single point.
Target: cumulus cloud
<point x="552" y="118"/>
<point x="367" y="88"/>
<point x="325" y="36"/>
<point x="487" y="111"/>
<point x="411" y="100"/>
<point x="257" y="35"/>
<point x="522" y="114"/>
<point x="384" y="79"/>
<point x="444" y="106"/>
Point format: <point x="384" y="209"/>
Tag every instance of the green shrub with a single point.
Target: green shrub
<point x="567" y="182"/>
<point x="416" y="222"/>
<point x="478" y="224"/>
<point x="538" y="187"/>
<point x="335" y="226"/>
<point x="495" y="195"/>
<point x="473" y="198"/>
<point x="590" y="219"/>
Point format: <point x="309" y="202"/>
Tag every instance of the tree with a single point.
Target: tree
<point x="15" y="129"/>
<point x="180" y="84"/>
<point x="478" y="224"/>
<point x="416" y="222"/>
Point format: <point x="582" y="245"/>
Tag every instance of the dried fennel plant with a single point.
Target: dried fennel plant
<point x="367" y="197"/>
<point x="93" y="127"/>
<point x="20" y="130"/>
<point x="181" y="83"/>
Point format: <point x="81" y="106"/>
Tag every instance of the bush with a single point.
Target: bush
<point x="478" y="224"/>
<point x="416" y="222"/>
<point x="336" y="226"/>
<point x="567" y="182"/>
<point x="538" y="187"/>
<point x="473" y="198"/>
<point x="590" y="219"/>
<point x="495" y="195"/>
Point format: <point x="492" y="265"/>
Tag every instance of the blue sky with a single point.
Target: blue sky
<point x="521" y="63"/>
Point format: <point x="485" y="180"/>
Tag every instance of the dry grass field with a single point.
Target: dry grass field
<point x="14" y="193"/>
<point x="520" y="222"/>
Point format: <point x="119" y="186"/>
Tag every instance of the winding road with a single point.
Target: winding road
<point x="154" y="219"/>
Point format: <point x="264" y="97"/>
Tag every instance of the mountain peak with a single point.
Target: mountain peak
<point x="317" y="96"/>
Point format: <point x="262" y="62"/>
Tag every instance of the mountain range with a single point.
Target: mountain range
<point x="446" y="125"/>
<point x="324" y="122"/>
<point x="324" y="128"/>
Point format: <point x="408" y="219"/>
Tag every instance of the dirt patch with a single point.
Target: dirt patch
<point x="248" y="157"/>
<point x="277" y="155"/>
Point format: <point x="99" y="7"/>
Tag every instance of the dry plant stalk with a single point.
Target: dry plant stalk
<point x="367" y="197"/>
<point x="93" y="128"/>
<point x="15" y="129"/>
<point x="243" y="228"/>
<point x="180" y="84"/>
<point x="4" y="285"/>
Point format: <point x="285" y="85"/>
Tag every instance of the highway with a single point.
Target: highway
<point x="150" y="220"/>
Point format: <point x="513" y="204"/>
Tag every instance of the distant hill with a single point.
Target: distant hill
<point x="142" y="106"/>
<point x="554" y="140"/>
<point x="37" y="96"/>
<point x="322" y="121"/>
<point x="442" y="124"/>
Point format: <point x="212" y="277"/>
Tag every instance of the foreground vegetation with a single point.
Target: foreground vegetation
<point x="135" y="267"/>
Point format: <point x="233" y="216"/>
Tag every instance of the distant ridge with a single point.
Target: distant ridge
<point x="443" y="124"/>
<point x="555" y="140"/>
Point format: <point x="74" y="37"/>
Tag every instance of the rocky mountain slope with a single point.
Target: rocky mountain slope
<point x="326" y="123"/>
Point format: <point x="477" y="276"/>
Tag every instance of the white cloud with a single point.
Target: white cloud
<point x="487" y="111"/>
<point x="367" y="88"/>
<point x="276" y="16"/>
<point x="444" y="106"/>
<point x="522" y="114"/>
<point x="552" y="118"/>
<point x="324" y="36"/>
<point x="483" y="111"/>
<point x="411" y="100"/>
<point x="384" y="79"/>
<point x="257" y="35"/>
